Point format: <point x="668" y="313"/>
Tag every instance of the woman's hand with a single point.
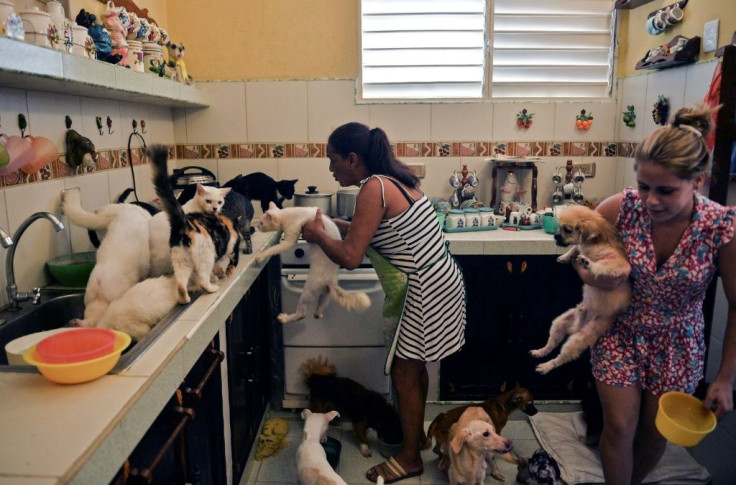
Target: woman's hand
<point x="311" y="229"/>
<point x="719" y="398"/>
<point x="602" y="282"/>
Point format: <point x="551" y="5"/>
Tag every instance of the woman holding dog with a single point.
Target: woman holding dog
<point x="396" y="225"/>
<point x="675" y="239"/>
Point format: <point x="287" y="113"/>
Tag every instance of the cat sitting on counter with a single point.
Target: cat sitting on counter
<point x="259" y="186"/>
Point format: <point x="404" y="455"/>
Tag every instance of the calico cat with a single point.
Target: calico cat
<point x="322" y="279"/>
<point x="204" y="199"/>
<point x="198" y="239"/>
<point x="236" y="206"/>
<point x="122" y="259"/>
<point x="259" y="186"/>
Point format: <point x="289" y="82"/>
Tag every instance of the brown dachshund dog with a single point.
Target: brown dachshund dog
<point x="498" y="408"/>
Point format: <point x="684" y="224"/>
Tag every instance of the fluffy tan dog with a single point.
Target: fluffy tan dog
<point x="597" y="246"/>
<point x="472" y="445"/>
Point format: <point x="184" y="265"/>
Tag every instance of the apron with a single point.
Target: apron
<point x="395" y="283"/>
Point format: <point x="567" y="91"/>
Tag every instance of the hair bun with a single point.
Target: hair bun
<point x="698" y="118"/>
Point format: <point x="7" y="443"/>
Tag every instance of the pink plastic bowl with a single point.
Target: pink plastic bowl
<point x="76" y="346"/>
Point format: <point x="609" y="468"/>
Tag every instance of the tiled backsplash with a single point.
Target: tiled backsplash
<point x="280" y="128"/>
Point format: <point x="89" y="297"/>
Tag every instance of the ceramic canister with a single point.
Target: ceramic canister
<point x="455" y="219"/>
<point x="135" y="55"/>
<point x="153" y="58"/>
<point x="472" y="217"/>
<point x="486" y="217"/>
<point x="39" y="29"/>
<point x="79" y="37"/>
<point x="63" y="39"/>
<point x="6" y="8"/>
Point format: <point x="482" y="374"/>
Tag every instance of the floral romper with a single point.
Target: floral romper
<point x="658" y="342"/>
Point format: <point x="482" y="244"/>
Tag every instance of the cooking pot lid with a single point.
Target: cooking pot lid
<point x="312" y="191"/>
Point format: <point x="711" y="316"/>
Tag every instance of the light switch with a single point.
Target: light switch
<point x="710" y="36"/>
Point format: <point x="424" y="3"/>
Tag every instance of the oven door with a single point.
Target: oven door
<point x="352" y="341"/>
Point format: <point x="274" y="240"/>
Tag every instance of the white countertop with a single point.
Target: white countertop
<point x="82" y="433"/>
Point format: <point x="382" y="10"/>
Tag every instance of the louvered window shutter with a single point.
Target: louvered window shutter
<point x="552" y="49"/>
<point x="423" y="49"/>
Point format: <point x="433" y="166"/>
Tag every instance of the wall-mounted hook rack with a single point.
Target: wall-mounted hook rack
<point x="109" y="126"/>
<point x="98" y="121"/>
<point x="143" y="126"/>
<point x="22" y="124"/>
<point x="68" y="122"/>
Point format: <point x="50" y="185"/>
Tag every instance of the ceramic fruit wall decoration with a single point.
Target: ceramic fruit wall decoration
<point x="524" y="119"/>
<point x="583" y="120"/>
<point x="629" y="116"/>
<point x="661" y="110"/>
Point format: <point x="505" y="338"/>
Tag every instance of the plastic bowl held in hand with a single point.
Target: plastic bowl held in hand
<point x="682" y="419"/>
<point x="76" y="346"/>
<point x="72" y="270"/>
<point x="78" y="372"/>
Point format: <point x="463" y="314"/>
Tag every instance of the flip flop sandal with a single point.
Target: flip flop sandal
<point x="394" y="469"/>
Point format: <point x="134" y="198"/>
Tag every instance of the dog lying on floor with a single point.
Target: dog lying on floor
<point x="597" y="246"/>
<point x="364" y="407"/>
<point x="472" y="445"/>
<point x="498" y="408"/>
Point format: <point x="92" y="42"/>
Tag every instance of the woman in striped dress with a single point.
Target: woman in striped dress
<point x="423" y="284"/>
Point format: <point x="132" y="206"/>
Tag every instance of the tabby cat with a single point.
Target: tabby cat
<point x="259" y="186"/>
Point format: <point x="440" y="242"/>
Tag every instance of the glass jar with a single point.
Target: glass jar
<point x="153" y="58"/>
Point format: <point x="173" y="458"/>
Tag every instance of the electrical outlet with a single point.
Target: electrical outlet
<point x="710" y="36"/>
<point x="419" y="169"/>
<point x="587" y="169"/>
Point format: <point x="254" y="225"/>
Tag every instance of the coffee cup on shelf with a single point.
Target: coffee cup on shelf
<point x="674" y="15"/>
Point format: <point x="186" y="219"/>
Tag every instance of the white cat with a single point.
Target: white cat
<point x="122" y="258"/>
<point x="141" y="307"/>
<point x="206" y="199"/>
<point x="322" y="279"/>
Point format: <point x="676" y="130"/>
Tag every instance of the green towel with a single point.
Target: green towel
<point x="395" y="284"/>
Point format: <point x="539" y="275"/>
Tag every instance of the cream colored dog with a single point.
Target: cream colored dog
<point x="597" y="246"/>
<point x="472" y="446"/>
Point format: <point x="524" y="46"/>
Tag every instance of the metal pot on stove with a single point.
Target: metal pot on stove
<point x="314" y="198"/>
<point x="346" y="202"/>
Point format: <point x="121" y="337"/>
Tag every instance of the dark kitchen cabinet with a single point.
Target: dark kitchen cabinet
<point x="185" y="444"/>
<point x="249" y="363"/>
<point x="512" y="301"/>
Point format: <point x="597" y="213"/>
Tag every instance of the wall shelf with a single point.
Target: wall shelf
<point x="28" y="66"/>
<point x="687" y="55"/>
<point x="629" y="4"/>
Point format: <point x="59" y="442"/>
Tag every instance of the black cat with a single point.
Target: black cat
<point x="259" y="186"/>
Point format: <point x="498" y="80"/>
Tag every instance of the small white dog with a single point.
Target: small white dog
<point x="473" y="444"/>
<point x="597" y="246"/>
<point x="311" y="460"/>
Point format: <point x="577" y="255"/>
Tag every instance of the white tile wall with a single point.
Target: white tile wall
<point x="276" y="111"/>
<point x="505" y="127"/>
<point x="87" y="125"/>
<point x="12" y="103"/>
<point x="402" y="122"/>
<point x="461" y="122"/>
<point x="671" y="84"/>
<point x="223" y="121"/>
<point x="331" y="104"/>
<point x="602" y="128"/>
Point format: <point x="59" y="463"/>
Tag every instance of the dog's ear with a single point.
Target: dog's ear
<point x="332" y="415"/>
<point x="306" y="413"/>
<point x="457" y="442"/>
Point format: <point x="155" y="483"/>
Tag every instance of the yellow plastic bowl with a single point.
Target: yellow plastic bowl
<point x="76" y="372"/>
<point x="682" y="419"/>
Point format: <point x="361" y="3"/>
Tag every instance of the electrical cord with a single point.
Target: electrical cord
<point x="130" y="156"/>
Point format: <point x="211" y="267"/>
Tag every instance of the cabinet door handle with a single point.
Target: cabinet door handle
<point x="509" y="266"/>
<point x="196" y="393"/>
<point x="523" y="267"/>
<point x="146" y="475"/>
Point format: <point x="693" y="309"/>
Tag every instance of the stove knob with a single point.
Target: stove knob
<point x="299" y="253"/>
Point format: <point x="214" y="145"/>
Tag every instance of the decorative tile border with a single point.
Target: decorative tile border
<point x="118" y="158"/>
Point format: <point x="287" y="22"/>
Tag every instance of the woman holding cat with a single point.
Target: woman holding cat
<point x="395" y="224"/>
<point x="674" y="239"/>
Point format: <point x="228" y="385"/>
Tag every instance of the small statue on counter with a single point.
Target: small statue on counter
<point x="176" y="60"/>
<point x="100" y="36"/>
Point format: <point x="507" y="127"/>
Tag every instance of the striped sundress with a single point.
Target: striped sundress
<point x="432" y="324"/>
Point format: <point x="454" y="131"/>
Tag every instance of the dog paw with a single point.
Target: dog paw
<point x="318" y="315"/>
<point x="538" y="353"/>
<point x="583" y="261"/>
<point x="563" y="259"/>
<point x="545" y="368"/>
<point x="364" y="450"/>
<point x="498" y="476"/>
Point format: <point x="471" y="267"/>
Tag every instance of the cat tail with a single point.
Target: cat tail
<point x="159" y="155"/>
<point x="71" y="205"/>
<point x="356" y="302"/>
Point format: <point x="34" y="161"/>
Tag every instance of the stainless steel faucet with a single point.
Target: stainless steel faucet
<point x="14" y="296"/>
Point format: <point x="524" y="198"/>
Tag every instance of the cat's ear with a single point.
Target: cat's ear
<point x="272" y="206"/>
<point x="200" y="190"/>
<point x="225" y="191"/>
<point x="294" y="181"/>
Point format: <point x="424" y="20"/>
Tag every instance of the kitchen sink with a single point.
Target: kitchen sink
<point x="55" y="312"/>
